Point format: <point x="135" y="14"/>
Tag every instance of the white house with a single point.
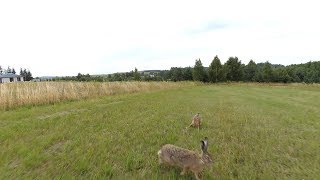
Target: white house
<point x="10" y="77"/>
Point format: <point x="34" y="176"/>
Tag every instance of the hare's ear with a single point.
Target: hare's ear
<point x="206" y="142"/>
<point x="203" y="146"/>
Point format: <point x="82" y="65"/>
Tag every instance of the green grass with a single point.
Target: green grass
<point x="254" y="131"/>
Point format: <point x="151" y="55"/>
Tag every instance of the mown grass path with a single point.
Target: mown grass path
<point x="254" y="131"/>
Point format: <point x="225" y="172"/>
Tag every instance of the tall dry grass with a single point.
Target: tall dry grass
<point x="34" y="93"/>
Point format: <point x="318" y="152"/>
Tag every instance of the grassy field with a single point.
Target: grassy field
<point x="14" y="95"/>
<point x="254" y="131"/>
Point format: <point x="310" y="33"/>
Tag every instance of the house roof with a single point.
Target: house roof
<point x="9" y="75"/>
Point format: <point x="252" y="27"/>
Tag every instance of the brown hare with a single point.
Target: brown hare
<point x="186" y="159"/>
<point x="196" y="121"/>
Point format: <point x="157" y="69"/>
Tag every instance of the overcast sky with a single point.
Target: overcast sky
<point x="63" y="37"/>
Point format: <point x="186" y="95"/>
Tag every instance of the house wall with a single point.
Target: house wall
<point x="16" y="79"/>
<point x="5" y="80"/>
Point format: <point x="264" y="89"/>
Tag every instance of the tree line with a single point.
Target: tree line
<point x="23" y="72"/>
<point x="128" y="76"/>
<point x="233" y="70"/>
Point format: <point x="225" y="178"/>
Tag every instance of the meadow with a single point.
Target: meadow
<point x="14" y="95"/>
<point x="255" y="131"/>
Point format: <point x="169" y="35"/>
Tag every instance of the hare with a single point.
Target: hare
<point x="196" y="121"/>
<point x="186" y="159"/>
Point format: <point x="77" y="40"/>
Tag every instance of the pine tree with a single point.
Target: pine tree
<point x="281" y="75"/>
<point x="233" y="68"/>
<point x="9" y="70"/>
<point x="79" y="75"/>
<point x="250" y="71"/>
<point x="136" y="75"/>
<point x="176" y="74"/>
<point x="215" y="70"/>
<point x="27" y="75"/>
<point x="267" y="72"/>
<point x="199" y="73"/>
<point x="187" y="74"/>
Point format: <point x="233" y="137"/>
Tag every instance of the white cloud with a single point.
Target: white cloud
<point x="66" y="37"/>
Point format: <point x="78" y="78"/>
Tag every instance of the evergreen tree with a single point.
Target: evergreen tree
<point x="312" y="72"/>
<point x="187" y="74"/>
<point x="13" y="71"/>
<point x="25" y="73"/>
<point x="215" y="70"/>
<point x="199" y="73"/>
<point x="258" y="76"/>
<point x="281" y="75"/>
<point x="136" y="75"/>
<point x="116" y="77"/>
<point x="267" y="72"/>
<point x="1" y="70"/>
<point x="233" y="69"/>
<point x="250" y="71"/>
<point x="224" y="73"/>
<point x="176" y="74"/>
<point x="28" y="76"/>
<point x="109" y="77"/>
<point x="299" y="74"/>
<point x="79" y="76"/>
<point x="292" y="73"/>
<point x="166" y="75"/>
<point x="9" y="70"/>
